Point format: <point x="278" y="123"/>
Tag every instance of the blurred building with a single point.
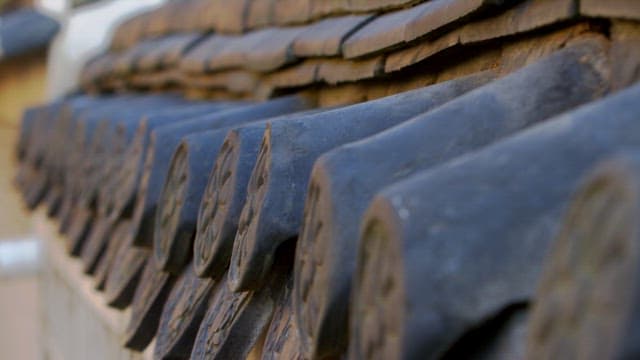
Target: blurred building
<point x="25" y="35"/>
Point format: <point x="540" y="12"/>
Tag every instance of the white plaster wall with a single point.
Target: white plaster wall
<point x="86" y="31"/>
<point x="76" y="322"/>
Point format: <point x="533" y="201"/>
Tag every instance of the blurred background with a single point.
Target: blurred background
<point x="43" y="45"/>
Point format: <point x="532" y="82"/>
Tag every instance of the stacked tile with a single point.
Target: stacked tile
<point x="493" y="223"/>
<point x="597" y="240"/>
<point x="409" y="220"/>
<point x="262" y="48"/>
<point x="337" y="199"/>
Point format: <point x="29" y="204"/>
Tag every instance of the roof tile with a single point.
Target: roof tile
<point x="273" y="50"/>
<point x="325" y="37"/>
<point x="322" y="8"/>
<point x="196" y="60"/>
<point x="526" y="16"/>
<point x="226" y="16"/>
<point x="625" y="9"/>
<point x="334" y="71"/>
<point x="383" y="32"/>
<point x="398" y="27"/>
<point x="259" y="14"/>
<point x="291" y="11"/>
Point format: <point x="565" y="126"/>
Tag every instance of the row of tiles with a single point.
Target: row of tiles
<point x="377" y="313"/>
<point x="261" y="63"/>
<point x="231" y="17"/>
<point x="335" y="50"/>
<point x="412" y="20"/>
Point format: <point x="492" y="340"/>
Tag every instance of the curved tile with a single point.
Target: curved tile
<point x="168" y="51"/>
<point x="435" y="14"/>
<point x="325" y="37"/>
<point x="298" y="75"/>
<point x="524" y="17"/>
<point x="234" y="81"/>
<point x="334" y="71"/>
<point x="179" y="45"/>
<point x="259" y="14"/>
<point x="262" y="50"/>
<point x="398" y="27"/>
<point x="625" y="9"/>
<point x="273" y="50"/>
<point x="196" y="60"/>
<point x="291" y="11"/>
<point x="225" y="16"/>
<point x="322" y="8"/>
<point x="383" y="32"/>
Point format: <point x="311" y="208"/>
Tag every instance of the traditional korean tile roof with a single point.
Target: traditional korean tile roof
<point x="362" y="179"/>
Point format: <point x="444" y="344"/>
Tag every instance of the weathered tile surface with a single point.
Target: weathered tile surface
<point x="527" y="16"/>
<point x="383" y="32"/>
<point x="273" y="49"/>
<point x="325" y="37"/>
<point x="624" y="9"/>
